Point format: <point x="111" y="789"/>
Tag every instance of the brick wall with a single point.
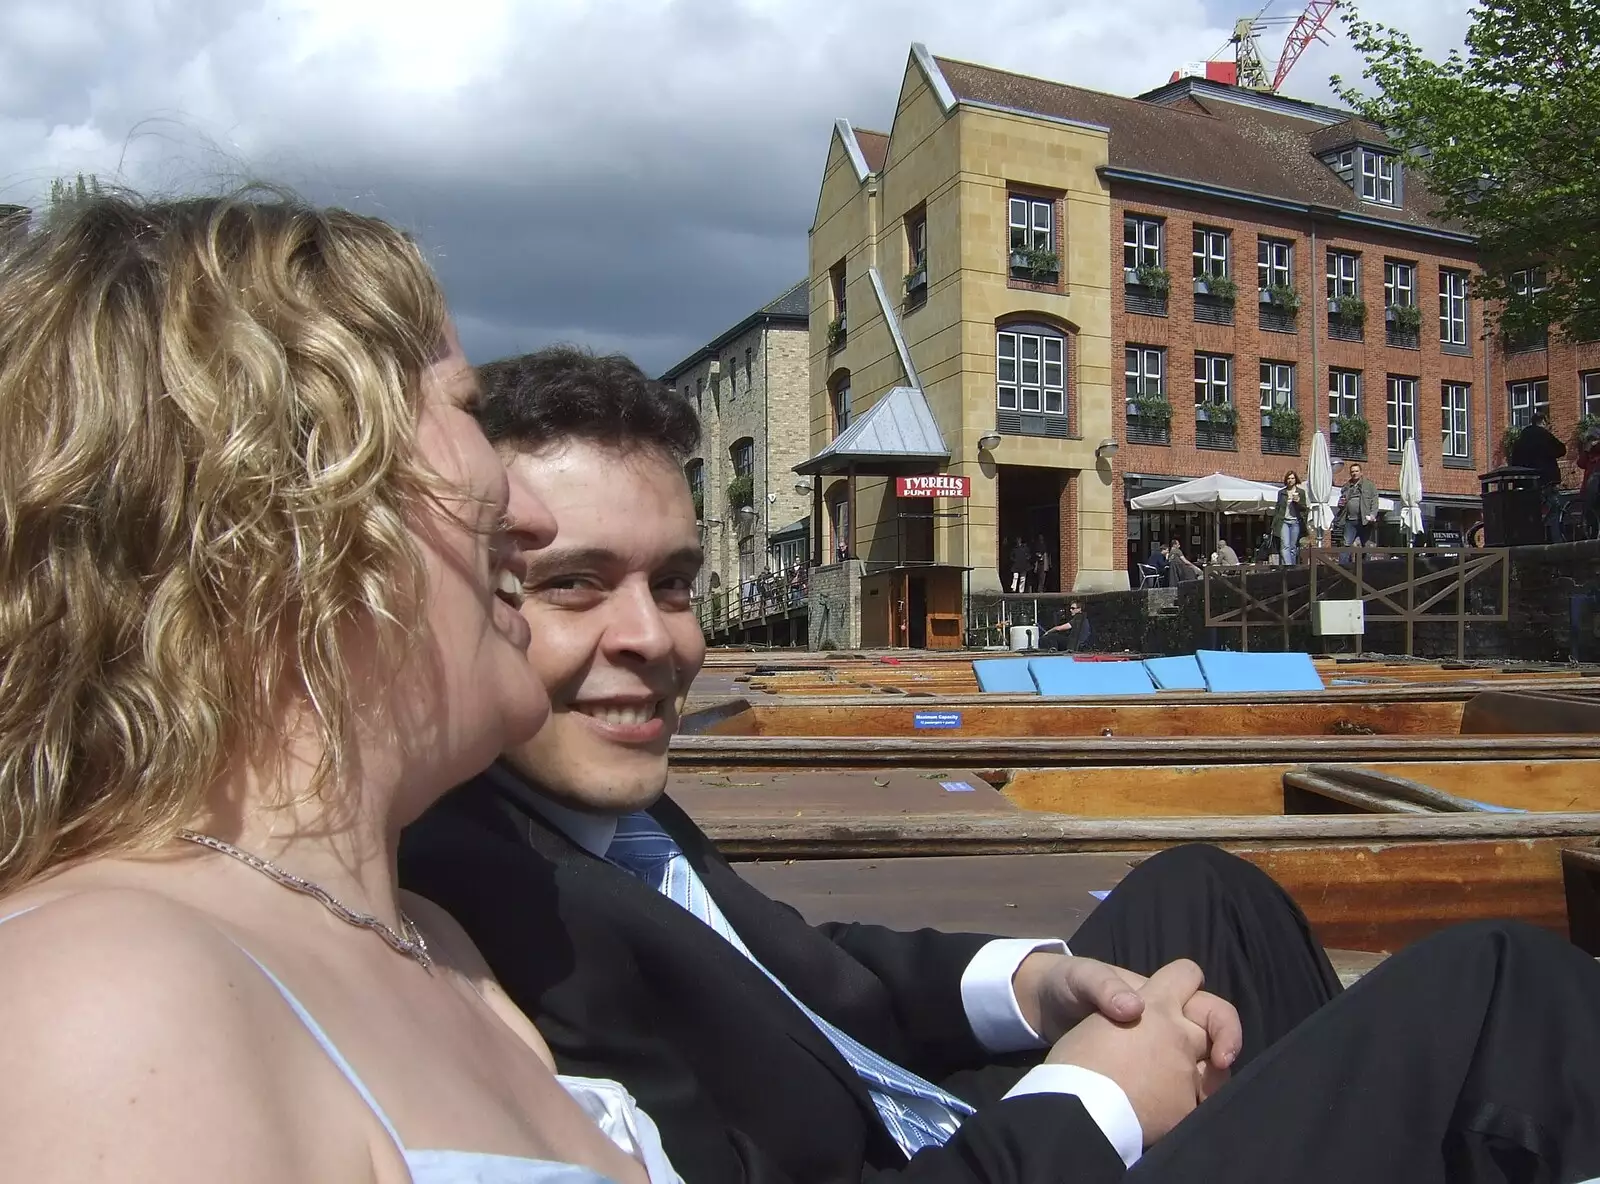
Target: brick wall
<point x="833" y="607"/>
<point x="1248" y="345"/>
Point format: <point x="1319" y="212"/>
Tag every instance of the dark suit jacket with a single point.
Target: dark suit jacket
<point x="624" y="984"/>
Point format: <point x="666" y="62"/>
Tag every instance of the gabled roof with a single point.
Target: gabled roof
<point x="1255" y="149"/>
<point x="1351" y="131"/>
<point x="792" y="310"/>
<point x="897" y="433"/>
<point x="874" y="148"/>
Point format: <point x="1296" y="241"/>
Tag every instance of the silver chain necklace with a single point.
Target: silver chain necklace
<point x="409" y="941"/>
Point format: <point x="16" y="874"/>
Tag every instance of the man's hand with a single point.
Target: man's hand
<point x="1171" y="1058"/>
<point x="1056" y="991"/>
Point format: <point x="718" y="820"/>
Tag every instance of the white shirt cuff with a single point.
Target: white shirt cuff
<point x="990" y="1001"/>
<point x="1103" y="1098"/>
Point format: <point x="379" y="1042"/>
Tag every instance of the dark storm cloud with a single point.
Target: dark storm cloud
<point x="637" y="175"/>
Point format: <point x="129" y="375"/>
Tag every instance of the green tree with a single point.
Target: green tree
<point x="1508" y="136"/>
<point x="66" y="196"/>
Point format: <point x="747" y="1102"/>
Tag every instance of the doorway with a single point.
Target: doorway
<point x="917" y="613"/>
<point x="1030" y="522"/>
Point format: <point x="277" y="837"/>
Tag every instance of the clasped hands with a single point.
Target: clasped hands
<point x="1168" y="1044"/>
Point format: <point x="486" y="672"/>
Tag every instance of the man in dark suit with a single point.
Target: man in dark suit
<point x="768" y="1049"/>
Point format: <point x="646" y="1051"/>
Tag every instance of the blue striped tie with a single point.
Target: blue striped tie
<point x="917" y="1113"/>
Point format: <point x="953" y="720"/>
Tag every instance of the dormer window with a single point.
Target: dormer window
<point x="1377" y="177"/>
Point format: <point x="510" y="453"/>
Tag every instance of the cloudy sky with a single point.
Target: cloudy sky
<point x="629" y="174"/>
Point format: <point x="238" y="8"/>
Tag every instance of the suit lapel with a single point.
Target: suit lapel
<point x="720" y="961"/>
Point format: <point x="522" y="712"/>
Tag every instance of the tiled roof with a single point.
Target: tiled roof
<point x="1234" y="146"/>
<point x="796" y="302"/>
<point x="874" y="148"/>
<point x="1347" y="132"/>
<point x="793" y="309"/>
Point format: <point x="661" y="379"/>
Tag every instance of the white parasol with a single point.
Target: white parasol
<point x="1411" y="490"/>
<point x="1319" y="486"/>
<point x="1218" y="492"/>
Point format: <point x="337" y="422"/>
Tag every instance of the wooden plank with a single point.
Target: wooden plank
<point x="1507" y="712"/>
<point x="1305" y="792"/>
<point x="1580" y="868"/>
<point x="930" y="751"/>
<point x="1024" y="833"/>
<point x="731" y="796"/>
<point x="1007" y="895"/>
<point x="1118" y="791"/>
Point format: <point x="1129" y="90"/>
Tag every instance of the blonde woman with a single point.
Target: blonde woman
<point x="258" y="609"/>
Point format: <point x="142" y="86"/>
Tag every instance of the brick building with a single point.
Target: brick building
<point x="750" y="386"/>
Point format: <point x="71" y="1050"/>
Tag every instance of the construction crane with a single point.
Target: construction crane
<point x="1304" y="28"/>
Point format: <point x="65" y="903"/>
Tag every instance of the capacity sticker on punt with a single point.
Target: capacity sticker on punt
<point x="937" y="719"/>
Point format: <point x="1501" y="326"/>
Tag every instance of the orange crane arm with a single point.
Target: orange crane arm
<point x="1306" y="30"/>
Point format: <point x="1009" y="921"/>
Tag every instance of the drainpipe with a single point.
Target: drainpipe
<point x="1318" y="388"/>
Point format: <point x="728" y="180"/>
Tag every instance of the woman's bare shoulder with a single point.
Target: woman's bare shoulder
<point x="139" y="1034"/>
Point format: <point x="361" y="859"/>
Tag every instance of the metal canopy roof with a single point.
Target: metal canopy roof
<point x="896" y="434"/>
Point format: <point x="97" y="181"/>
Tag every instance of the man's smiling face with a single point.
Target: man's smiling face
<point x="615" y="638"/>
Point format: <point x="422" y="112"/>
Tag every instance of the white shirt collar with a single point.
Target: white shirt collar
<point x="592" y="832"/>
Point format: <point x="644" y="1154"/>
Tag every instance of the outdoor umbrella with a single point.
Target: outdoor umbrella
<point x="1411" y="491"/>
<point x="1319" y="486"/>
<point x="1219" y="493"/>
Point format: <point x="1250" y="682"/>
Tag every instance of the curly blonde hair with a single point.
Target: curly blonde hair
<point x="208" y="411"/>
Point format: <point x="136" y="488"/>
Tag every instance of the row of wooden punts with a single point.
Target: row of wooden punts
<point x="1403" y="797"/>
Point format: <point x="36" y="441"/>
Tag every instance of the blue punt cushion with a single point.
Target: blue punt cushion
<point x="1004" y="675"/>
<point x="1058" y="676"/>
<point x="1176" y="674"/>
<point x="1226" y="671"/>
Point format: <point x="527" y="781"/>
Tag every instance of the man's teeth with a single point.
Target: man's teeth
<point x="606" y="714"/>
<point x="510" y="587"/>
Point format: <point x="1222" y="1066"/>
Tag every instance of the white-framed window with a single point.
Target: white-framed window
<point x="1399" y="283"/>
<point x="1211" y="379"/>
<point x="1344" y="393"/>
<point x="1402" y="411"/>
<point x="1347" y="160"/>
<point x="1145" y="369"/>
<point x="840" y="399"/>
<point x="1377" y="177"/>
<point x="1274" y="263"/>
<point x="1031" y="371"/>
<point x="1454" y="399"/>
<point x="1277" y="385"/>
<point x="839" y="519"/>
<point x="743" y="455"/>
<point x="917" y="239"/>
<point x="836" y="286"/>
<point x="1344" y="274"/>
<point x="1589" y="393"/>
<point x="1210" y="252"/>
<point x="1528" y="282"/>
<point x="1141" y="241"/>
<point x="1032" y="223"/>
<point x="1452" y="308"/>
<point x="1528" y="397"/>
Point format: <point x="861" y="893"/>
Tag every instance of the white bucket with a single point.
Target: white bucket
<point x="1024" y="637"/>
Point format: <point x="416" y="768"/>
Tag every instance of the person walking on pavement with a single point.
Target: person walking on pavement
<point x="1358" y="509"/>
<point x="1289" y="518"/>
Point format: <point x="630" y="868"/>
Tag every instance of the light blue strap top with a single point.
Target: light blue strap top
<point x="443" y="1167"/>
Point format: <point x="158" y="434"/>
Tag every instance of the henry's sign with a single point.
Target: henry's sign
<point x="936" y="486"/>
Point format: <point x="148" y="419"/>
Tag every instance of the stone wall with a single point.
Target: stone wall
<point x="833" y="607"/>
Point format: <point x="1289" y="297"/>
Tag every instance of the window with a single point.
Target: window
<point x="1210" y="252"/>
<point x="917" y="240"/>
<point x="839" y="401"/>
<point x="1452" y="308"/>
<point x="1344" y="274"/>
<point x="1030" y="371"/>
<point x="1399" y="283"/>
<point x="1589" y="393"/>
<point x="1277" y="385"/>
<point x="1211" y="379"/>
<point x="1145" y="371"/>
<point x="1033" y="224"/>
<point x="1528" y="397"/>
<point x="749" y="362"/>
<point x="743" y="454"/>
<point x="1377" y="177"/>
<point x="1344" y="393"/>
<point x="839" y="519"/>
<point x="1402" y="411"/>
<point x="1141" y="242"/>
<point x="836" y="288"/>
<point x="1453" y="402"/>
<point x="700" y="393"/>
<point x="1347" y="160"/>
<point x="1530" y="282"/>
<point x="695" y="471"/>
<point x="1274" y="263"/>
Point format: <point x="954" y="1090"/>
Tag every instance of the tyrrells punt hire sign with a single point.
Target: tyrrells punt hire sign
<point x="939" y="485"/>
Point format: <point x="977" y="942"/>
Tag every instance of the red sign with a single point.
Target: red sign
<point x="940" y="485"/>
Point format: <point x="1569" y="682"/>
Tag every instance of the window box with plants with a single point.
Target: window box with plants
<point x="1349" y="437"/>
<point x="1038" y="264"/>
<point x="1149" y="420"/>
<point x="1403" y="325"/>
<point x="1347" y="316"/>
<point x="741" y="491"/>
<point x="837" y="333"/>
<point x="1216" y="285"/>
<point x="1281" y="428"/>
<point x="699" y="497"/>
<point x="1279" y="304"/>
<point x="917" y="278"/>
<point x="1146" y="293"/>
<point x="1215" y="425"/>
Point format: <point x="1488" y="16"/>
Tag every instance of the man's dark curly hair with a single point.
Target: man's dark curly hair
<point x="563" y="392"/>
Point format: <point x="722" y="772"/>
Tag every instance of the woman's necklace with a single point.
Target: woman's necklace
<point x="409" y="941"/>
